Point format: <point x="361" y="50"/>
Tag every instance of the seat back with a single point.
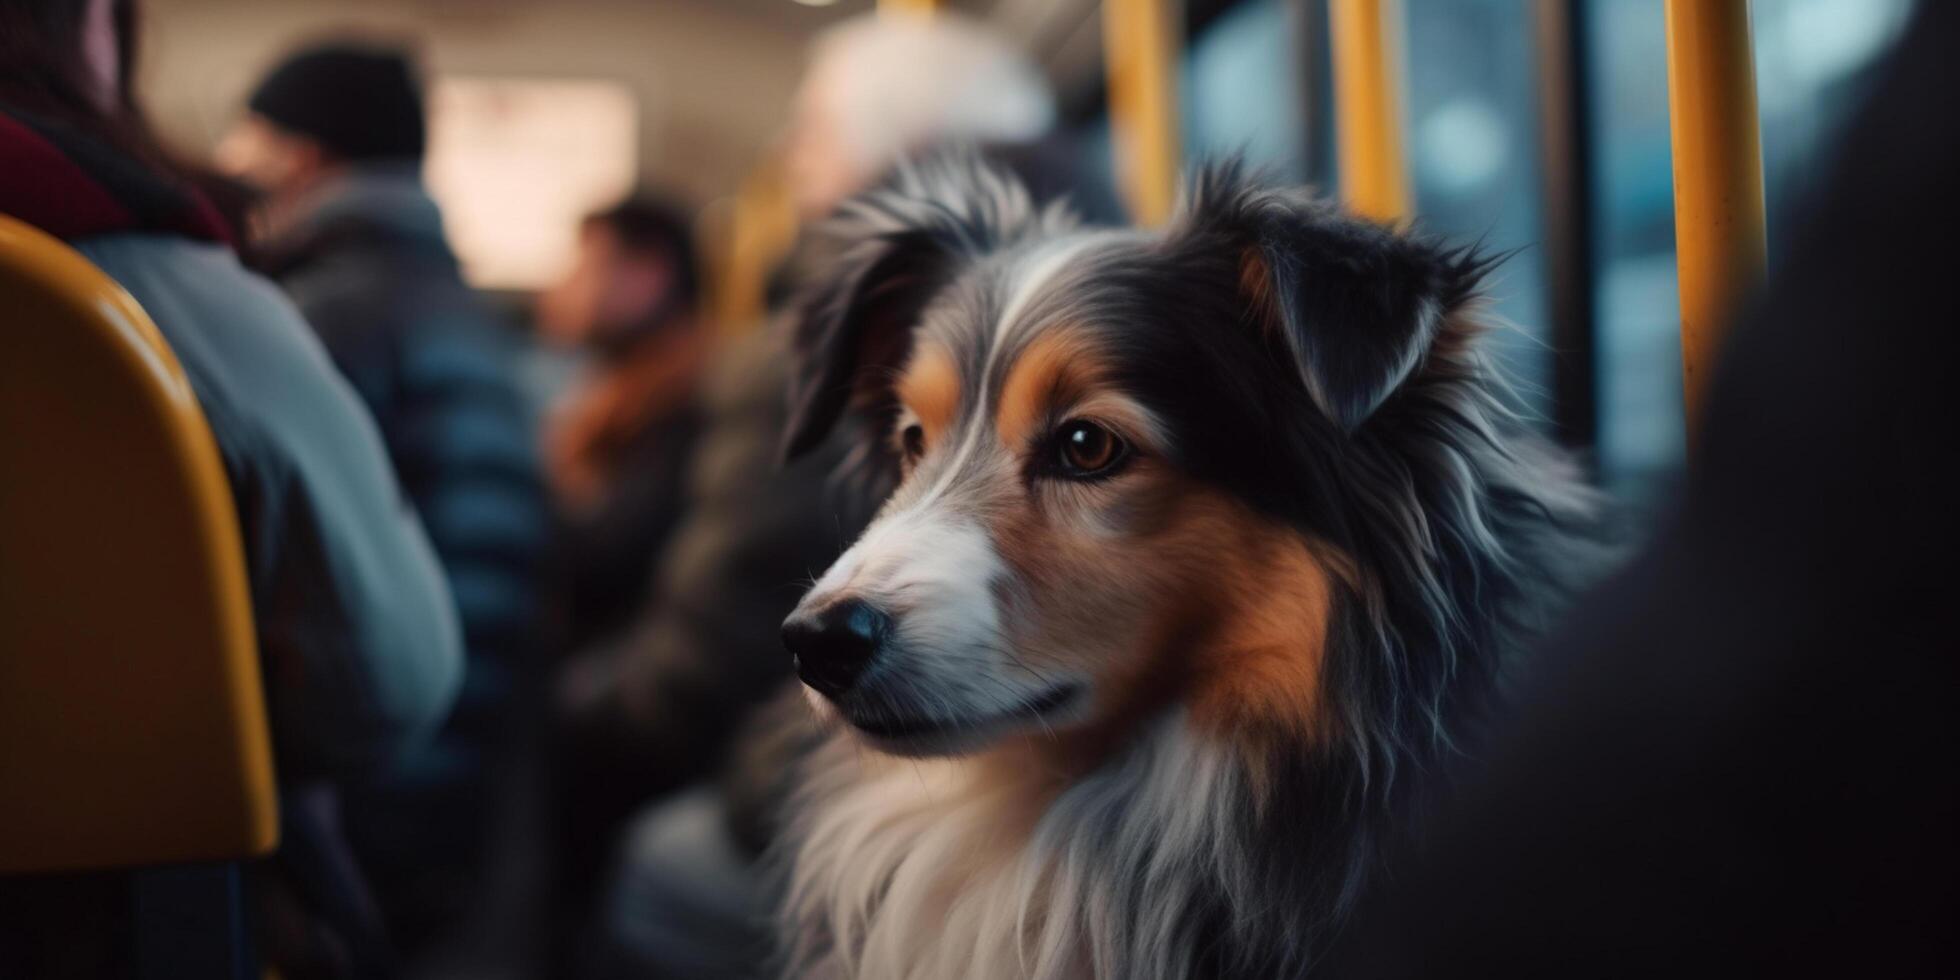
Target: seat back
<point x="132" y="720"/>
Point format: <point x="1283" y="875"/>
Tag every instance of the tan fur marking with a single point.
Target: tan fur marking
<point x="1264" y="666"/>
<point x="1052" y="369"/>
<point x="1256" y="283"/>
<point x="930" y="387"/>
<point x="1250" y="617"/>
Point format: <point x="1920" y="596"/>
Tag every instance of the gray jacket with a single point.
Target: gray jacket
<point x="357" y="632"/>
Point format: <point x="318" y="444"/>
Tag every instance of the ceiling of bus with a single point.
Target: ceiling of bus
<point x="713" y="77"/>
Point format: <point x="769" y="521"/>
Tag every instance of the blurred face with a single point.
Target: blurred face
<point x="822" y="170"/>
<point x="609" y="289"/>
<point x="269" y="159"/>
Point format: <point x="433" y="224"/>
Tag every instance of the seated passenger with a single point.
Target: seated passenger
<point x="618" y="443"/>
<point x="355" y="623"/>
<point x="334" y="140"/>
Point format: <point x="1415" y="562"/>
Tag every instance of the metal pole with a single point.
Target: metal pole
<point x="1571" y="276"/>
<point x="1140" y="45"/>
<point x="1718" y="177"/>
<point x="1314" y="78"/>
<point x="1368" y="108"/>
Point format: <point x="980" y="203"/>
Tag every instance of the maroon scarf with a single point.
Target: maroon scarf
<point x="72" y="185"/>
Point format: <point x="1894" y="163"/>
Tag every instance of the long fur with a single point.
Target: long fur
<point x="1187" y="853"/>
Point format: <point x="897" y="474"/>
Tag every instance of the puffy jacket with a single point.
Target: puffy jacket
<point x="368" y="266"/>
<point x="367" y="263"/>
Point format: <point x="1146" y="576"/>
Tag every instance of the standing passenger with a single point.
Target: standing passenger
<point x="355" y="625"/>
<point x="334" y="140"/>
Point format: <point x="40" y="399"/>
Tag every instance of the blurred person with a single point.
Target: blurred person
<point x="355" y="623"/>
<point x="677" y="697"/>
<point x="656" y="709"/>
<point x="618" y="442"/>
<point x="333" y="140"/>
<point x="881" y="87"/>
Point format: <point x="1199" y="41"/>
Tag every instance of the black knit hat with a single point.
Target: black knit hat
<point x="361" y="102"/>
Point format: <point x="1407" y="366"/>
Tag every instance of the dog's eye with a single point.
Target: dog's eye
<point x="913" y="438"/>
<point x="1087" y="449"/>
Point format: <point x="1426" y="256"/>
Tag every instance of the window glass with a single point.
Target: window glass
<point x="1472" y="142"/>
<point x="1240" y="91"/>
<point x="517" y="162"/>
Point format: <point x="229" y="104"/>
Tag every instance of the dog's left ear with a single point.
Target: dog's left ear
<point x="855" y="327"/>
<point x="897" y="247"/>
<point x="1356" y="306"/>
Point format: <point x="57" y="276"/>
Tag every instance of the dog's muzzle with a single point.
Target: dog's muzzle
<point x="831" y="647"/>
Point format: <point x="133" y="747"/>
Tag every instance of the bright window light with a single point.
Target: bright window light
<point x="515" y="163"/>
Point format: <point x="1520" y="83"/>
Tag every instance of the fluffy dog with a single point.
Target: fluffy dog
<point x="1202" y="540"/>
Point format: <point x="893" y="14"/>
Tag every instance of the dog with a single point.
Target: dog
<point x="1203" y="541"/>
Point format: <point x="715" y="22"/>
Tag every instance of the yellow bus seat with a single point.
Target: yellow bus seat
<point x="132" y="721"/>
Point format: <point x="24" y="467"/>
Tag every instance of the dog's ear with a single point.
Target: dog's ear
<point x="1355" y="306"/>
<point x="897" y="246"/>
<point x="853" y="327"/>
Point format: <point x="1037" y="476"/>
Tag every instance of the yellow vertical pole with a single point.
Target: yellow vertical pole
<point x="756" y="229"/>
<point x="1140" y="44"/>
<point x="1368" y="108"/>
<point x="1718" y="176"/>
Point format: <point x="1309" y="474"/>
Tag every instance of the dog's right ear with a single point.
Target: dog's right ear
<point x="1354" y="307"/>
<point x="853" y="328"/>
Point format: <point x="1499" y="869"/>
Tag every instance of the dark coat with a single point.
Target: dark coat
<point x="368" y="266"/>
<point x="659" y="705"/>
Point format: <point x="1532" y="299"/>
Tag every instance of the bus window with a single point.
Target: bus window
<point x="1240" y="91"/>
<point x="1473" y="146"/>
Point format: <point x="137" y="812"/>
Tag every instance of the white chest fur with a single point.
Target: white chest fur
<point x="924" y="870"/>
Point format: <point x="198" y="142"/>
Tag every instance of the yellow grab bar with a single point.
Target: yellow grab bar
<point x="749" y="235"/>
<point x="1140" y="42"/>
<point x="1368" y="108"/>
<point x="1718" y="176"/>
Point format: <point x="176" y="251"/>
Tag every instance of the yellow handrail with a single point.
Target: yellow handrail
<point x="1368" y="108"/>
<point x="1140" y="42"/>
<point x="908" y="6"/>
<point x="748" y="236"/>
<point x="1718" y="176"/>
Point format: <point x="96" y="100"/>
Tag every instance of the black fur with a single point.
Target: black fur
<point x="1324" y="370"/>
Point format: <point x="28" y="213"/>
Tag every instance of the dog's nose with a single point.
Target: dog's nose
<point x="832" y="646"/>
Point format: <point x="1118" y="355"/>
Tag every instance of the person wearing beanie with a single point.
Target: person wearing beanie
<point x="333" y="139"/>
<point x="358" y="103"/>
<point x="326" y="113"/>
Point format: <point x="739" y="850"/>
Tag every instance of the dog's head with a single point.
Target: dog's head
<point x="1121" y="455"/>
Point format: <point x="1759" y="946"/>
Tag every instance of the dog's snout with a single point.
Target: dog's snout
<point x="833" y="645"/>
